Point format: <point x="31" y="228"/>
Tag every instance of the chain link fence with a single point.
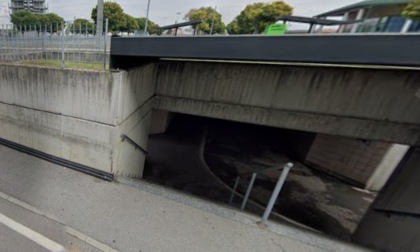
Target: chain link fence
<point x="58" y="44"/>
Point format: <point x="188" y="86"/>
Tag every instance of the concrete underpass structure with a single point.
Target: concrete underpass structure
<point x="81" y="116"/>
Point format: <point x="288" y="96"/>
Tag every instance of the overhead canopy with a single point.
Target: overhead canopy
<point x="315" y="21"/>
<point x="178" y="25"/>
<point x="360" y="5"/>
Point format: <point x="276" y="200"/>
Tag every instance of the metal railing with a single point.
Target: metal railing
<point x="136" y="145"/>
<point x="277" y="189"/>
<point x="58" y="43"/>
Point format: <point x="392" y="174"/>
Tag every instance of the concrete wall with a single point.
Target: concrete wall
<point x="350" y="159"/>
<point x="362" y="103"/>
<point x="78" y="115"/>
<point x="386" y="167"/>
<point x="135" y="110"/>
<point x="393" y="221"/>
<point x="160" y="121"/>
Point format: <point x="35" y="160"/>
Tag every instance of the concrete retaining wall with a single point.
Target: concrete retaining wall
<point x="78" y="115"/>
<point x="351" y="159"/>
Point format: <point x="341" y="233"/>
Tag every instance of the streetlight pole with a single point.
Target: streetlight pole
<point x="100" y="18"/>
<point x="147" y="17"/>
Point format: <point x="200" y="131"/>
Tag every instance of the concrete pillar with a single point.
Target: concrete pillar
<point x="386" y="167"/>
<point x="359" y="16"/>
<point x="160" y="121"/>
<point x="406" y="26"/>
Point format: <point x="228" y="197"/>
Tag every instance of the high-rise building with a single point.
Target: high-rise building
<point x="34" y="6"/>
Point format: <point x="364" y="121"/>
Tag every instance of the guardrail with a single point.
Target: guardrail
<point x="277" y="189"/>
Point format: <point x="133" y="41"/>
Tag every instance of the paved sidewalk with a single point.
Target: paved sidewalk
<point x="89" y="215"/>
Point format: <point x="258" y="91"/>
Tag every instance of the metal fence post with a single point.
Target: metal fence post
<point x="105" y="42"/>
<point x="234" y="190"/>
<point x="248" y="191"/>
<point x="276" y="192"/>
<point x="62" y="45"/>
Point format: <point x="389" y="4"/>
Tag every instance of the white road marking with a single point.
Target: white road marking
<point x="91" y="241"/>
<point x="31" y="234"/>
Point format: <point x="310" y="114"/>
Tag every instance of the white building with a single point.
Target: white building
<point x="34" y="6"/>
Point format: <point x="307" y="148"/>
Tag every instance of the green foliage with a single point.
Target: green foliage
<point x="50" y="18"/>
<point x="37" y="22"/>
<point x="207" y="14"/>
<point x="412" y="10"/>
<point x="82" y="26"/>
<point x="256" y="17"/>
<point x="152" y="27"/>
<point x="115" y="15"/>
<point x="128" y="23"/>
<point x="25" y="18"/>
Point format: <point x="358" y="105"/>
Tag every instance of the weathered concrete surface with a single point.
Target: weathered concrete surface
<point x="351" y="159"/>
<point x="87" y="95"/>
<point x="78" y="115"/>
<point x="386" y="167"/>
<point x="327" y="124"/>
<point x="147" y="219"/>
<point x="362" y="103"/>
<point x="129" y="161"/>
<point x="160" y="121"/>
<point x="367" y="164"/>
<point x="77" y="140"/>
<point x="393" y="221"/>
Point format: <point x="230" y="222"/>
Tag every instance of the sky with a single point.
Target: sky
<point x="164" y="12"/>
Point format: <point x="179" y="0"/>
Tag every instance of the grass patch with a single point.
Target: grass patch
<point x="68" y="65"/>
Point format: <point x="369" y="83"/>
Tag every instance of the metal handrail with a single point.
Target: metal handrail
<point x="279" y="185"/>
<point x="137" y="146"/>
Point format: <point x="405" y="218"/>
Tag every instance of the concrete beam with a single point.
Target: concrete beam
<point x="311" y="122"/>
<point x="376" y="49"/>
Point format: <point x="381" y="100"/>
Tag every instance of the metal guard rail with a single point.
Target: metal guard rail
<point x="280" y="182"/>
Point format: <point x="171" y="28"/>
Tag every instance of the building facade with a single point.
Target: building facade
<point x="34" y="6"/>
<point x="374" y="16"/>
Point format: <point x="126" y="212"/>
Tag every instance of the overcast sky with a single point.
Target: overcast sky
<point x="165" y="11"/>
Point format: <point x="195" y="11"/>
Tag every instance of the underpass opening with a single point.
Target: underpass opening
<point x="203" y="156"/>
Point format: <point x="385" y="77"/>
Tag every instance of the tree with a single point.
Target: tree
<point x="114" y="13"/>
<point x="82" y="26"/>
<point x="37" y="22"/>
<point x="256" y="17"/>
<point x="208" y="15"/>
<point x="50" y="20"/>
<point x="412" y="10"/>
<point x="129" y="23"/>
<point x="25" y="18"/>
<point x="152" y="27"/>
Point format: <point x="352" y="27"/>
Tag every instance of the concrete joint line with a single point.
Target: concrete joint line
<point x="31" y="234"/>
<point x="71" y="231"/>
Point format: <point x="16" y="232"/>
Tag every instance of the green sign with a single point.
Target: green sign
<point x="276" y="29"/>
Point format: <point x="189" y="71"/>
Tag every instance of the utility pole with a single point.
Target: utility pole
<point x="100" y="18"/>
<point x="147" y="17"/>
